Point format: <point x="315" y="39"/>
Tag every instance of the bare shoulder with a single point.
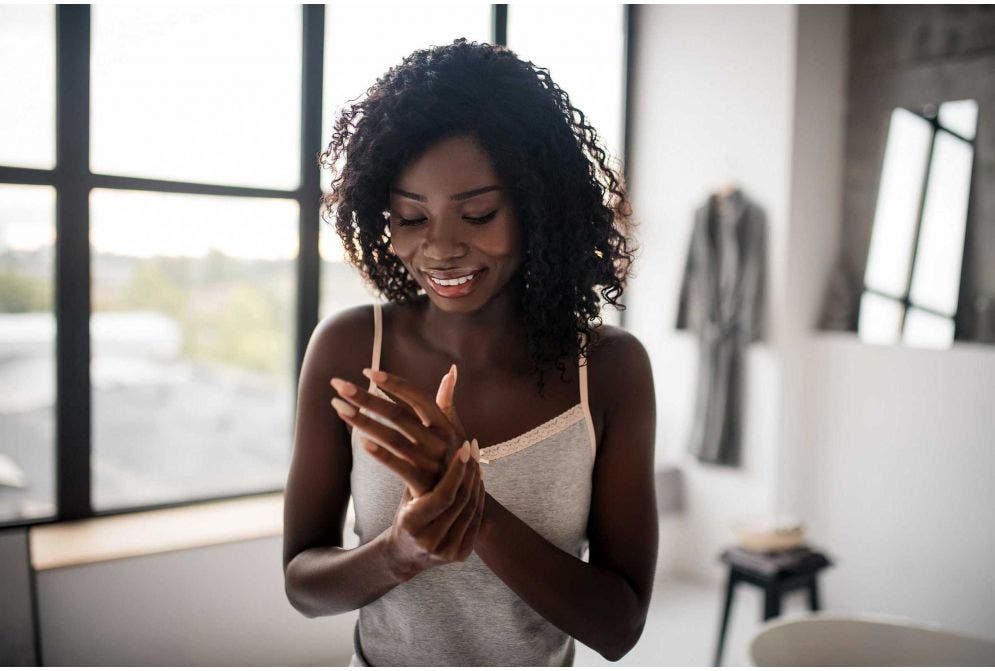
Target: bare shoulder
<point x="617" y="351"/>
<point x="619" y="366"/>
<point x="342" y="343"/>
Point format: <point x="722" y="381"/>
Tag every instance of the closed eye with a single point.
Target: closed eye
<point x="482" y="220"/>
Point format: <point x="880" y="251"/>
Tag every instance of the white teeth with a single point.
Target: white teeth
<point x="453" y="282"/>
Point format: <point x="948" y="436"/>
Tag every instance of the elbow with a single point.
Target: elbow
<point x="620" y="647"/>
<point x="293" y="593"/>
<point x="624" y="637"/>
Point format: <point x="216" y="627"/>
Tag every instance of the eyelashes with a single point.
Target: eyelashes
<point x="401" y="221"/>
<point x="482" y="220"/>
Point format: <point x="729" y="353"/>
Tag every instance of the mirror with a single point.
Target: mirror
<point x="912" y="280"/>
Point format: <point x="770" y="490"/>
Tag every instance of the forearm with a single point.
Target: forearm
<point x="597" y="606"/>
<point x="332" y="580"/>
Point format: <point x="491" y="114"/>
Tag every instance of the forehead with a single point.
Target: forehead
<point x="451" y="166"/>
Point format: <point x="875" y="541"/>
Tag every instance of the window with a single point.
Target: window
<point x="155" y="309"/>
<point x="912" y="280"/>
<point x="27" y="351"/>
<point x="27" y="69"/>
<point x="168" y="83"/>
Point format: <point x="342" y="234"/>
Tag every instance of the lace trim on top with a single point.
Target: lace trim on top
<point x="533" y="436"/>
<point x="529" y="438"/>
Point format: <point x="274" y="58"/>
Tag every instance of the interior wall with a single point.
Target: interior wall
<point x="902" y="451"/>
<point x="17" y="642"/>
<point x="222" y="605"/>
<point x="713" y="101"/>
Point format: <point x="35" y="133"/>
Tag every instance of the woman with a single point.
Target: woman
<point x="472" y="195"/>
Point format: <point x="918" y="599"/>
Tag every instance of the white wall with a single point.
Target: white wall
<point x="713" y="101"/>
<point x="886" y="452"/>
<point x="903" y="451"/>
<point x="222" y="605"/>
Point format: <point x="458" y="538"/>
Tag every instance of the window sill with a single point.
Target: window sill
<point x="137" y="534"/>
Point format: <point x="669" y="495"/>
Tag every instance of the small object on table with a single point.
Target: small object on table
<point x="777" y="573"/>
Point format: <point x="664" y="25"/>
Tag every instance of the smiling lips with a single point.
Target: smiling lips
<point x="454" y="283"/>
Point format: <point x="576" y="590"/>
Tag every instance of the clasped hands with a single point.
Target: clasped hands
<point x="442" y="506"/>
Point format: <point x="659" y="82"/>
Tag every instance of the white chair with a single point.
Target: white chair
<point x="834" y="640"/>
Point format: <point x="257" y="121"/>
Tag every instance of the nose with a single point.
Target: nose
<point x="443" y="239"/>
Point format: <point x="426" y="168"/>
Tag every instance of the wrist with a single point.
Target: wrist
<point x="487" y="520"/>
<point x="400" y="568"/>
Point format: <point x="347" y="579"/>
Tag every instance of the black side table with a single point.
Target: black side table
<point x="777" y="574"/>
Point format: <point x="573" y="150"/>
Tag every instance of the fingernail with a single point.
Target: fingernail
<point x="343" y="407"/>
<point x="370" y="446"/>
<point x="452" y="371"/>
<point x="375" y="375"/>
<point x="475" y="449"/>
<point x="344" y="387"/>
<point x="464" y="452"/>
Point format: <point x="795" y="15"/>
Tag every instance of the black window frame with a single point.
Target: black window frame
<point x="931" y="116"/>
<point x="73" y="181"/>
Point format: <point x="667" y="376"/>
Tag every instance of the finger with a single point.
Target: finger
<point x="399" y="415"/>
<point x="449" y="526"/>
<point x="444" y="392"/>
<point x="415" y="479"/>
<point x="445" y="399"/>
<point x="384" y="436"/>
<point x="460" y="526"/>
<point x="427" y="507"/>
<point x="418" y="400"/>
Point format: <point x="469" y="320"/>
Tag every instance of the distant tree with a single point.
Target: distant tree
<point x="20" y="293"/>
<point x="154" y="287"/>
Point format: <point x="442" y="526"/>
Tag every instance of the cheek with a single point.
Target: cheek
<point x="500" y="241"/>
<point x="404" y="243"/>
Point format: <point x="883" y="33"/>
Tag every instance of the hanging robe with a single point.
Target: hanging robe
<point x="720" y="302"/>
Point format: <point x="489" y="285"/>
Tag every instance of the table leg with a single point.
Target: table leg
<point x="813" y="594"/>
<point x="772" y="602"/>
<point x="730" y="587"/>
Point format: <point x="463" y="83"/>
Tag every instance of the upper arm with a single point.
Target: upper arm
<point x="622" y="527"/>
<point x="317" y="492"/>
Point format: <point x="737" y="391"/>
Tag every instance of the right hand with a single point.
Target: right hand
<point x="441" y="525"/>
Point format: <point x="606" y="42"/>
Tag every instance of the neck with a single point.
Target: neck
<point x="494" y="333"/>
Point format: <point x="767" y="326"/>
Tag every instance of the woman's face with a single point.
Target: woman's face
<point x="450" y="218"/>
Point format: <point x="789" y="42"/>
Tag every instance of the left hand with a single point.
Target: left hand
<point x="428" y="432"/>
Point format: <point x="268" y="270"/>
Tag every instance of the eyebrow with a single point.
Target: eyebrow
<point x="463" y="195"/>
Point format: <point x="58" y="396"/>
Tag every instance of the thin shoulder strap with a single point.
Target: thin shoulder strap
<point x="377" y="340"/>
<point x="582" y="374"/>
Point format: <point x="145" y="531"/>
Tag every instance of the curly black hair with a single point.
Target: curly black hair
<point x="571" y="204"/>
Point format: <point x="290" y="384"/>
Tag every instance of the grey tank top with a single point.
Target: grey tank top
<point x="462" y="614"/>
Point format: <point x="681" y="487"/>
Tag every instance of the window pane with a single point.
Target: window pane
<point x="936" y="275"/>
<point x="923" y="329"/>
<point x="193" y="345"/>
<point x="27" y="78"/>
<point x="342" y="285"/>
<point x="586" y="58"/>
<point x="905" y="156"/>
<point x="960" y="116"/>
<point x="879" y="319"/>
<point x="27" y="352"/>
<point x="197" y="93"/>
<point x="362" y="41"/>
